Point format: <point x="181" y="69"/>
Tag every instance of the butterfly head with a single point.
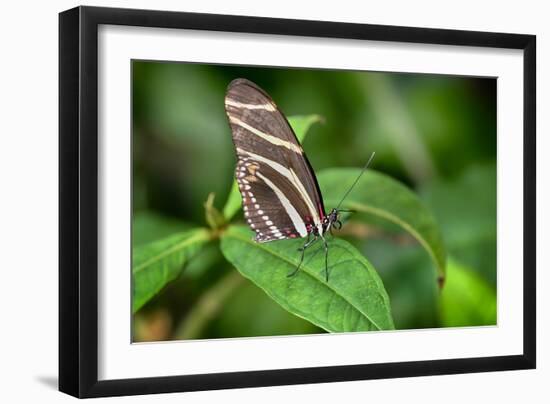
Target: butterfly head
<point x="332" y="220"/>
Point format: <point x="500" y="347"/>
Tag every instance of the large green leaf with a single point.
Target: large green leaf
<point x="148" y="226"/>
<point x="466" y="210"/>
<point x="468" y="300"/>
<point x="157" y="263"/>
<point x="354" y="299"/>
<point x="382" y="197"/>
<point x="300" y="124"/>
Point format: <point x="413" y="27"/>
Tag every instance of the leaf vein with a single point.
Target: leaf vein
<point x="316" y="277"/>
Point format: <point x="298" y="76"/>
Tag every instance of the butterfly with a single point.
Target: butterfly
<point x="280" y="193"/>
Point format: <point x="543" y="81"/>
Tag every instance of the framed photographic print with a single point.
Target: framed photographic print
<point x="251" y="201"/>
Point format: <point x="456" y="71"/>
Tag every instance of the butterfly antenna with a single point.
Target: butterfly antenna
<point x="356" y="180"/>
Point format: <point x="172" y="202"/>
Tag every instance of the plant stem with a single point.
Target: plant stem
<point x="208" y="306"/>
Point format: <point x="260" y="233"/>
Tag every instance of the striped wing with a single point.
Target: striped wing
<point x="281" y="197"/>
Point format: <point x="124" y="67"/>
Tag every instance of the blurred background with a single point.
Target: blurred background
<point x="436" y="134"/>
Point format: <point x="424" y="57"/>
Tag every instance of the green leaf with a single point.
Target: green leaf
<point x="354" y="299"/>
<point x="233" y="203"/>
<point x="467" y="300"/>
<point x="212" y="215"/>
<point x="381" y="197"/>
<point x="148" y="226"/>
<point x="157" y="263"/>
<point x="300" y="124"/>
<point x="466" y="210"/>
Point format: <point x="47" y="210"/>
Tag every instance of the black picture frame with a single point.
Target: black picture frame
<point x="78" y="201"/>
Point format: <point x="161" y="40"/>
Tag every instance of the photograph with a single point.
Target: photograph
<point x="283" y="201"/>
<point x="255" y="201"/>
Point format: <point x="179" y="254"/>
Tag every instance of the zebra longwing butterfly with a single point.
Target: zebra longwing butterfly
<point x="280" y="194"/>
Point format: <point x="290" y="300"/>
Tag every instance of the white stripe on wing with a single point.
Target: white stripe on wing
<point x="290" y="210"/>
<point x="271" y="139"/>
<point x="237" y="104"/>
<point x="292" y="177"/>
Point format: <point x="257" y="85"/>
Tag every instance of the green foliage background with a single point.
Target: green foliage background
<point x="434" y="134"/>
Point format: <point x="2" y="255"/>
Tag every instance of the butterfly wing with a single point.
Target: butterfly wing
<point x="281" y="197"/>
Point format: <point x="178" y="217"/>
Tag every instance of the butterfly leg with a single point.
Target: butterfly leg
<point x="303" y="250"/>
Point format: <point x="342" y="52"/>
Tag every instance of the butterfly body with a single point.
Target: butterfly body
<point x="280" y="194"/>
